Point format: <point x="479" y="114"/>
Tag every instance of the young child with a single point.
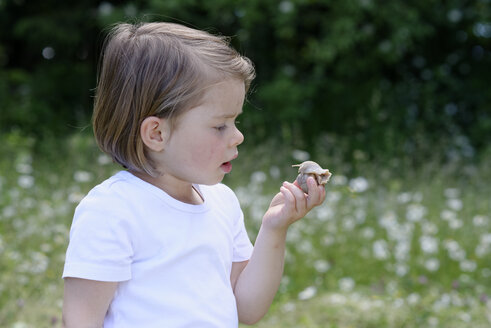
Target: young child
<point x="163" y="243"/>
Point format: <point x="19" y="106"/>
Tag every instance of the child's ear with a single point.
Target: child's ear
<point x="153" y="132"/>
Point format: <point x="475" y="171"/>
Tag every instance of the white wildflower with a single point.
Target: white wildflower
<point x="274" y="172"/>
<point x="346" y="284"/>
<point x="480" y="220"/>
<point x="468" y="266"/>
<point x="429" y="228"/>
<point x="428" y="244"/>
<point x="300" y="155"/>
<point x="401" y="269"/>
<point x="398" y="303"/>
<point x="39" y="262"/>
<point x="75" y="197"/>
<point x="307" y="293"/>
<point x="481" y="250"/>
<point x="433" y="322"/>
<point x="258" y="177"/>
<point x="368" y="232"/>
<point x="360" y="215"/>
<point x="457" y="255"/>
<point x="82" y="176"/>
<point x="455" y="204"/>
<point x="466" y="279"/>
<point x="328" y="240"/>
<point x="105" y="8"/>
<point x="339" y="180"/>
<point x="333" y="197"/>
<point x="322" y="266"/>
<point x="451" y="192"/>
<point x="359" y="184"/>
<point x="285" y="6"/>
<point x="404" y="197"/>
<point x="432" y="264"/>
<point x="25" y="181"/>
<point x="349" y="224"/>
<point x="401" y="251"/>
<point x="486" y="238"/>
<point x="103" y="159"/>
<point x="448" y="215"/>
<point x="415" y="212"/>
<point x="442" y="303"/>
<point x="24" y="168"/>
<point x="486" y="273"/>
<point x="413" y="299"/>
<point x="288" y="307"/>
<point x="337" y="299"/>
<point x="9" y="211"/>
<point x="455" y="224"/>
<point x="466" y="317"/>
<point x="324" y="213"/>
<point x="454" y="16"/>
<point x="388" y="220"/>
<point x="455" y="252"/>
<point x="380" y="249"/>
<point x="305" y="246"/>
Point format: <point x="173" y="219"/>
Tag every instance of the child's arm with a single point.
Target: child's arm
<point x="259" y="280"/>
<point x="85" y="302"/>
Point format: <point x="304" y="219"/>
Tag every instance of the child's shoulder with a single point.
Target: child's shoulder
<point x="114" y="192"/>
<point x="111" y="184"/>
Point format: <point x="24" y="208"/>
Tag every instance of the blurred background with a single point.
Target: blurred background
<point x="395" y="77"/>
<point x="393" y="96"/>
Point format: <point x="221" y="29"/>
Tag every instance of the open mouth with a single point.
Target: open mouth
<point x="226" y="167"/>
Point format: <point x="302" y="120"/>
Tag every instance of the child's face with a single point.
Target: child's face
<point x="205" y="138"/>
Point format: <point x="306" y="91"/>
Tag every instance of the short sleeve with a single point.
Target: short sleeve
<point x="100" y="246"/>
<point x="242" y="244"/>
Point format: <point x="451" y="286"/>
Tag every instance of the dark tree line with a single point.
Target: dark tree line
<point x="390" y="75"/>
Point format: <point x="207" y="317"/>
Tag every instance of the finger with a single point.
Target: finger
<point x="289" y="201"/>
<point x="322" y="195"/>
<point x="316" y="193"/>
<point x="300" y="199"/>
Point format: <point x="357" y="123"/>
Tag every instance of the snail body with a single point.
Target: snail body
<point x="311" y="169"/>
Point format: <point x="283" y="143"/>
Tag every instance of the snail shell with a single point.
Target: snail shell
<point x="311" y="169"/>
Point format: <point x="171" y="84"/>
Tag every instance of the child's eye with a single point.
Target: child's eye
<point x="221" y="128"/>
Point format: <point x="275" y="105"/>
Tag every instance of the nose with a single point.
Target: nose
<point x="237" y="138"/>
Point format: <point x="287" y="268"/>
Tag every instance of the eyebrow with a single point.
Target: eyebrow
<point x="228" y="115"/>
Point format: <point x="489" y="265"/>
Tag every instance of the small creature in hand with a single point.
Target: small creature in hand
<point x="311" y="169"/>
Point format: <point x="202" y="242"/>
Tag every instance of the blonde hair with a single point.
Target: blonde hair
<point x="156" y="69"/>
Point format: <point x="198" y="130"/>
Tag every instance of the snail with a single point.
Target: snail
<point x="311" y="169"/>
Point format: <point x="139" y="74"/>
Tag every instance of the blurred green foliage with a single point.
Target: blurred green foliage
<point x="396" y="77"/>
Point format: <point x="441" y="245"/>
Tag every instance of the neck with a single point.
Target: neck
<point x="179" y="190"/>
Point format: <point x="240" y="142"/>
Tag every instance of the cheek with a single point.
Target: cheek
<point x="205" y="152"/>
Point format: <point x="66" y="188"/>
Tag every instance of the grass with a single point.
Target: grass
<point x="364" y="309"/>
<point x="393" y="246"/>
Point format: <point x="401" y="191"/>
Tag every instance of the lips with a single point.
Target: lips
<point x="227" y="166"/>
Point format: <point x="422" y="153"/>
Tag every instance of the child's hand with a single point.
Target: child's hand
<point x="292" y="204"/>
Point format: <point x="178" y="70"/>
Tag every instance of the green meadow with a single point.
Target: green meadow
<point x="394" y="245"/>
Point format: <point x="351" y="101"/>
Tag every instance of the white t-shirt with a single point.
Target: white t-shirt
<point x="173" y="260"/>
